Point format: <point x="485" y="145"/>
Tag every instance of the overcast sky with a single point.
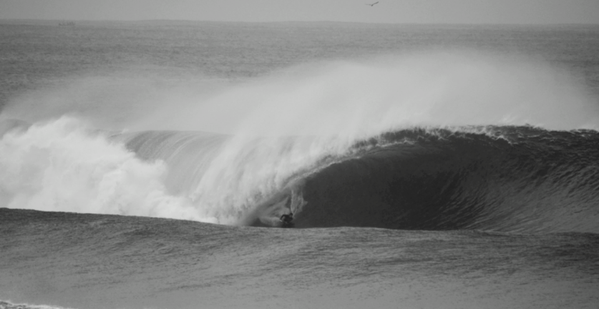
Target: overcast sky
<point x="386" y="11"/>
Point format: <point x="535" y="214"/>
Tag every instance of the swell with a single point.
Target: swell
<point x="517" y="179"/>
<point x="106" y="261"/>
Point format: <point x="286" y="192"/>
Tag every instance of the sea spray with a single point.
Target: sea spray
<point x="61" y="165"/>
<point x="361" y="98"/>
<point x="324" y="109"/>
<point x="228" y="176"/>
<point x="344" y="98"/>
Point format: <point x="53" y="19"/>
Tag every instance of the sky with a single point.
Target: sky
<point x="385" y="11"/>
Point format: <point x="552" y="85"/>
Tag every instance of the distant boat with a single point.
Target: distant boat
<point x="372" y="4"/>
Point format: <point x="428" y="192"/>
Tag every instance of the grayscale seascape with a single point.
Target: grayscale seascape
<point x="146" y="164"/>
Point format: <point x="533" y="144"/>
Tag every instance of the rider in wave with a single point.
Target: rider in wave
<point x="287" y="220"/>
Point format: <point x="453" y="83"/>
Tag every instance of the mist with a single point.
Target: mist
<point x="343" y="98"/>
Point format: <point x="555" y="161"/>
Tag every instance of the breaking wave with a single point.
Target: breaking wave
<point x="427" y="141"/>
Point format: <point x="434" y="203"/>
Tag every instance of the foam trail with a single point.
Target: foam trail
<point x="62" y="166"/>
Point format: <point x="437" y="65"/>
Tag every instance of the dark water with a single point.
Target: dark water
<point x="512" y="179"/>
<point x="146" y="165"/>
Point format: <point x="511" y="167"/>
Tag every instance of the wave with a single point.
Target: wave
<point x="516" y="179"/>
<point x="382" y="143"/>
<point x="500" y="178"/>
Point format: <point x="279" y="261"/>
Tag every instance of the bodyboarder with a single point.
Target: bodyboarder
<point x="287" y="220"/>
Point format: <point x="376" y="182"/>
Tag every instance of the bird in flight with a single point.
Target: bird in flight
<point x="372" y="4"/>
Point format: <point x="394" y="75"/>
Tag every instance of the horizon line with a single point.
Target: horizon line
<point x="294" y="21"/>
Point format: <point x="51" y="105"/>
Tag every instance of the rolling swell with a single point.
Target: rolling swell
<point x="520" y="179"/>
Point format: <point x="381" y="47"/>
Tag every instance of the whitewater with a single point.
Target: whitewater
<point x="148" y="167"/>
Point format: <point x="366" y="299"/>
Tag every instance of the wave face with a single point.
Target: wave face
<point x="519" y="179"/>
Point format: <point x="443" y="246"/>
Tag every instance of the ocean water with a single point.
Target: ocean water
<point x="147" y="165"/>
